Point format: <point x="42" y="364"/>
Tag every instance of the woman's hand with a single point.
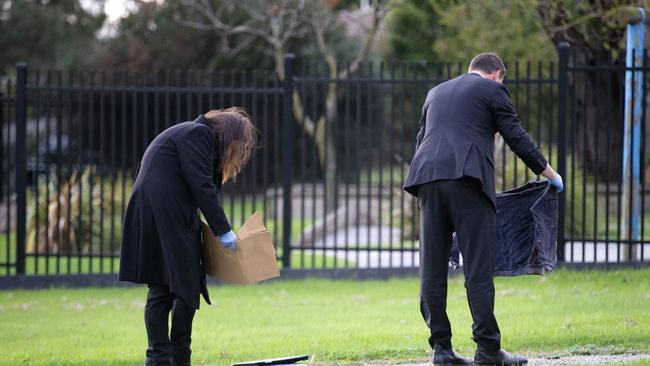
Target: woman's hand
<point x="229" y="240"/>
<point x="554" y="178"/>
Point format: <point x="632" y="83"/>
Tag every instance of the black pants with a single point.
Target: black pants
<point x="461" y="206"/>
<point x="165" y="348"/>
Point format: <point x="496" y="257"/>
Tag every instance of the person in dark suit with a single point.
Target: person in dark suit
<point x="452" y="176"/>
<point x="181" y="171"/>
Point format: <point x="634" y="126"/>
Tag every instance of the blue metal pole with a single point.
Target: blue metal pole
<point x="632" y="137"/>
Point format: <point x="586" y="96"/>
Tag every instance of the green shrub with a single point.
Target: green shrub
<point x="80" y="213"/>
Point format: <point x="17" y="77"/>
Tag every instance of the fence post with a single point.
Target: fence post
<point x="21" y="166"/>
<point x="287" y="158"/>
<point x="561" y="141"/>
<point x="631" y="174"/>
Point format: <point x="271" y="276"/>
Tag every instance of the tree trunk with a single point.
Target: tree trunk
<point x="326" y="147"/>
<point x="598" y="93"/>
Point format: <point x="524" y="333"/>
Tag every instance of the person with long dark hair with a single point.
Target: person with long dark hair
<point x="181" y="172"/>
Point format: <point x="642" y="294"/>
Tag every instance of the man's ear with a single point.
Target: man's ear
<point x="501" y="76"/>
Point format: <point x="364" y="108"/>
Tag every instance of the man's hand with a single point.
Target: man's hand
<point x="229" y="240"/>
<point x="554" y="178"/>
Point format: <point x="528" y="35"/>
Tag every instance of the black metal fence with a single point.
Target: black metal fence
<point x="77" y="137"/>
<point x="601" y="226"/>
<point x="334" y="150"/>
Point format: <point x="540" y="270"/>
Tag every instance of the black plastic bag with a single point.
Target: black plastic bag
<point x="526" y="238"/>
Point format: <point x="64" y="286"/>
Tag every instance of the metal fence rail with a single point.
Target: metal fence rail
<point x="334" y="151"/>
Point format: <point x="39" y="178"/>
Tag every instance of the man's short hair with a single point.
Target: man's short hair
<point x="488" y="62"/>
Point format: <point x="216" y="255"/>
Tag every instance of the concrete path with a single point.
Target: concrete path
<point x="375" y="236"/>
<point x="364" y="237"/>
<point x="601" y="252"/>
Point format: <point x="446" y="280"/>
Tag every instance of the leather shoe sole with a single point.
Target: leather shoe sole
<point x="502" y="363"/>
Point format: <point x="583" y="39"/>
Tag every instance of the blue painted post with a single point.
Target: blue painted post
<point x="631" y="208"/>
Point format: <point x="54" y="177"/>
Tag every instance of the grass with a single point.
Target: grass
<point x="308" y="259"/>
<point x="337" y="321"/>
<point x="71" y="265"/>
<point x="7" y="248"/>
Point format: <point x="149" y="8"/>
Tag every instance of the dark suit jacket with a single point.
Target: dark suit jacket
<point x="456" y="138"/>
<point x="161" y="232"/>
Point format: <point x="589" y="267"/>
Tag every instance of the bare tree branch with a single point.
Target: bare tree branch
<point x="277" y="23"/>
<point x="598" y="13"/>
<point x="319" y="26"/>
<point x="195" y="25"/>
<point x="378" y="13"/>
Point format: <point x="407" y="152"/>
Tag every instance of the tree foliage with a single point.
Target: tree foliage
<point x="509" y="27"/>
<point x="47" y="33"/>
<point x="153" y="36"/>
<point x="414" y="17"/>
<point x="187" y="34"/>
<point x="454" y="30"/>
<point x="587" y="25"/>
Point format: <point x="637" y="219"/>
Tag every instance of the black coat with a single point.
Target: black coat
<point x="457" y="127"/>
<point x="161" y="236"/>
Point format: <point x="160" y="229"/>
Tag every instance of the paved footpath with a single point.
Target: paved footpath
<point x="569" y="360"/>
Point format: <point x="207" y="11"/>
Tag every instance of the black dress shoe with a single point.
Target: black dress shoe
<point x="445" y="356"/>
<point x="499" y="358"/>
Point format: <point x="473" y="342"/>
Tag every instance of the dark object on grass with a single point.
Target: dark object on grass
<point x="274" y="361"/>
<point x="526" y="241"/>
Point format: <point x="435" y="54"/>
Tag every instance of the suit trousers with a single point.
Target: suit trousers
<point x="461" y="206"/>
<point x="167" y="348"/>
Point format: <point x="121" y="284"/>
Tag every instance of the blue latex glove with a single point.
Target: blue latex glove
<point x="556" y="181"/>
<point x="229" y="240"/>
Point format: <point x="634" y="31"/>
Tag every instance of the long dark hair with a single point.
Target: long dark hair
<point x="236" y="137"/>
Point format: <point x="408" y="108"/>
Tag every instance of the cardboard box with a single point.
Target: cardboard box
<point x="253" y="261"/>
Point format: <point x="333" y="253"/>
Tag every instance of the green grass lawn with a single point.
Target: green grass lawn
<point x="337" y="321"/>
